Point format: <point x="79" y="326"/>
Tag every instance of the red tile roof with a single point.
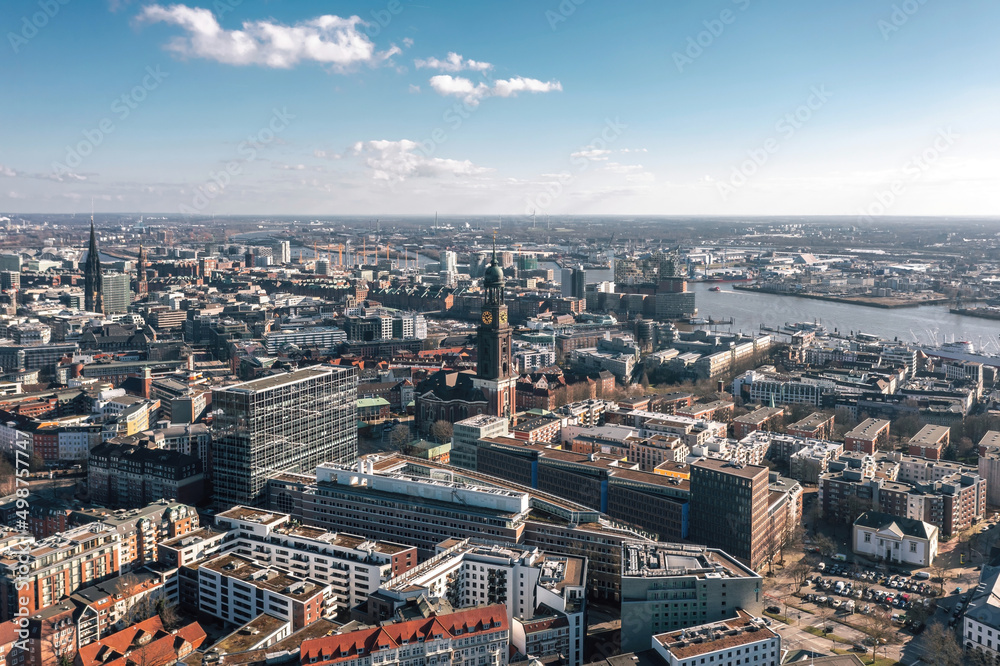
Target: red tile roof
<point x="342" y="647"/>
<point x="160" y="648"/>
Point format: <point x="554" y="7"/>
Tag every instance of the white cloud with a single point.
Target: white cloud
<point x="593" y="154"/>
<point x="453" y="62"/>
<point x="290" y="167"/>
<point x="326" y="155"/>
<point x="327" y="39"/>
<point x="414" y="89"/>
<point x="472" y="93"/>
<point x="7" y="171"/>
<point x="400" y="160"/>
<point x="510" y="87"/>
<point x="615" y="167"/>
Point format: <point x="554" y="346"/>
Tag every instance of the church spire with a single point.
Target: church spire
<point x="92" y="283"/>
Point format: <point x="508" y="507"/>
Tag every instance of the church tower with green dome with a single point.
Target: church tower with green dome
<point x="494" y="372"/>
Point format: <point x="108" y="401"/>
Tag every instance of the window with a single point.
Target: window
<point x="868" y="537"/>
<point x="913" y="546"/>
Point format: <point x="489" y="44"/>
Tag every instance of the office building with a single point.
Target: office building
<point x="315" y="337"/>
<point x="423" y="503"/>
<point x="574" y="282"/>
<point x="10" y="280"/>
<point x="989" y="465"/>
<point x="743" y="639"/>
<point x="466" y="435"/>
<point x="282" y="252"/>
<point x="666" y="587"/>
<point x="729" y="504"/>
<point x="10" y="262"/>
<point x="289" y="422"/>
<point x="116" y="290"/>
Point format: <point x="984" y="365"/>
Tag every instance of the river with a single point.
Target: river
<point x="926" y="324"/>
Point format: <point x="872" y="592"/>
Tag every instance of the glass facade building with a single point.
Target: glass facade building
<point x="285" y="423"/>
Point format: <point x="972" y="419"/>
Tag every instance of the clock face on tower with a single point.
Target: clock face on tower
<point x="503" y="317"/>
<point x="487" y="317"/>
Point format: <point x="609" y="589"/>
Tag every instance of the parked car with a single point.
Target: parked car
<point x="773" y="609"/>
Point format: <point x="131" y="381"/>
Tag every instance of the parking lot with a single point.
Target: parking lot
<point x="853" y="589"/>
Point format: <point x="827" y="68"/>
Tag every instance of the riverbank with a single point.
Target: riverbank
<point x="982" y="313"/>
<point x="885" y="303"/>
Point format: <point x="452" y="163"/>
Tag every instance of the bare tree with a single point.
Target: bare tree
<point x="800" y="571"/>
<point x="826" y="545"/>
<point x="138" y="606"/>
<point x="442" y="431"/>
<point x="878" y="626"/>
<point x="938" y="572"/>
<point x="168" y="614"/>
<point x="942" y="647"/>
<point x="400" y="436"/>
<point x="791" y="537"/>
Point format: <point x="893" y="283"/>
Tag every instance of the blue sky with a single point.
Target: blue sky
<point x="728" y="107"/>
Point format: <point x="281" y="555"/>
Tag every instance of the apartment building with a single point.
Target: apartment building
<point x="354" y="566"/>
<point x="666" y="587"/>
<point x="951" y="503"/>
<point x="147" y="642"/>
<point x="930" y="442"/>
<point x="475" y="636"/>
<point x="762" y="418"/>
<point x="142" y="530"/>
<point x="129" y="476"/>
<point x="236" y="589"/>
<point x="815" y="426"/>
<point x="535" y="587"/>
<point x="869" y="436"/>
<point x="55" y="567"/>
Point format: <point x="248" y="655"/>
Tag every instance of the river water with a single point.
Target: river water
<point x="926" y="324"/>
